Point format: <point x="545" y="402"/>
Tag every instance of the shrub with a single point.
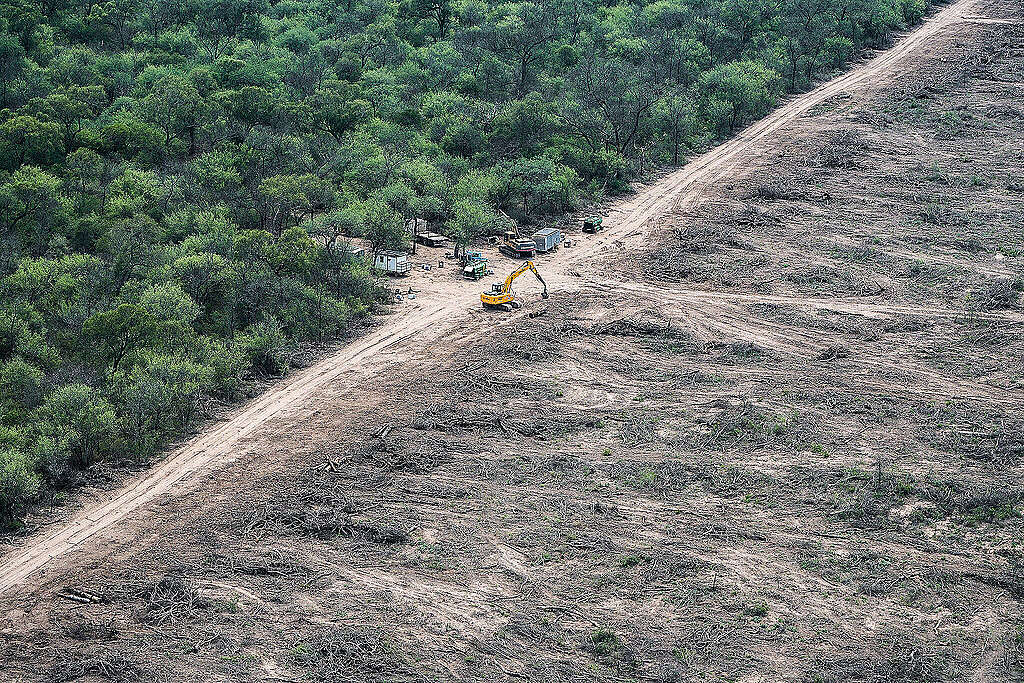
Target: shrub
<point x="79" y="422"/>
<point x="18" y="483"/>
<point x="603" y="642"/>
<point x="21" y="385"/>
<point x="160" y="396"/>
<point x="264" y="345"/>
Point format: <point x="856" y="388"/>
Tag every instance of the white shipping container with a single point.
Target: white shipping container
<point x="392" y="262"/>
<point x="547" y="239"/>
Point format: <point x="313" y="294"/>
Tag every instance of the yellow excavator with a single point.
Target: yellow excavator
<point x="501" y="296"/>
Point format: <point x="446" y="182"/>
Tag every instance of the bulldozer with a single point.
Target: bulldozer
<point x="593" y="224"/>
<point x="500" y="295"/>
<point x="516" y="246"/>
<point x="474" y="265"/>
<point x="477" y="270"/>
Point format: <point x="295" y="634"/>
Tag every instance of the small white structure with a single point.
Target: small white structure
<point x="547" y="239"/>
<point x="416" y="226"/>
<point x="392" y="262"/>
<point x="354" y="252"/>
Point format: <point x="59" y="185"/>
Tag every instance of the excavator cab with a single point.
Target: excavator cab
<point x="501" y="296"/>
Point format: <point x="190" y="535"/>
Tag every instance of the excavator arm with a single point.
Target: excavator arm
<point x="519" y="271"/>
<point x="501" y="295"/>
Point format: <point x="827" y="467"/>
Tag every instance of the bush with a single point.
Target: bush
<point x="18" y="483"/>
<point x="227" y="363"/>
<point x="317" y="315"/>
<point x="21" y="386"/>
<point x="51" y="458"/>
<point x="79" y="426"/>
<point x="160" y="396"/>
<point x="264" y="345"/>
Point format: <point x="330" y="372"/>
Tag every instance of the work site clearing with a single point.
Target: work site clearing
<point x="768" y="426"/>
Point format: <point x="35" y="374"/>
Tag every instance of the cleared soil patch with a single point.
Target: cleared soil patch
<point x="780" y="440"/>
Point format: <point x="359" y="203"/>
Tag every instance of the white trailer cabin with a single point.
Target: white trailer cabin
<point x="392" y="262"/>
<point x="547" y="239"/>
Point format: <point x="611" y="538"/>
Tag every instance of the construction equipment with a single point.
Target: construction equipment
<point x="593" y="224"/>
<point x="501" y="295"/>
<point x="475" y="271"/>
<point x="515" y="245"/>
<point x="474" y="265"/>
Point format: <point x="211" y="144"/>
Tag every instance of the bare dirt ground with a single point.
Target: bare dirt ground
<point x="768" y="427"/>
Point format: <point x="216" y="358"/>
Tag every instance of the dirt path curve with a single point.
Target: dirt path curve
<point x="629" y="220"/>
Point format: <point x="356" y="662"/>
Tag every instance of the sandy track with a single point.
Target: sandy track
<point x="630" y="220"/>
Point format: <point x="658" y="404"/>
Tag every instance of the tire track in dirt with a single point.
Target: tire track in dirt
<point x="632" y="219"/>
<point x="868" y="309"/>
<point x="725" y="313"/>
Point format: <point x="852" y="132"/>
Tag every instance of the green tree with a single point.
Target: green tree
<point x="26" y="139"/>
<point x="161" y="395"/>
<point x="385" y="229"/>
<point x="294" y="253"/>
<point x="172" y="312"/>
<point x="76" y="427"/>
<point x="738" y="91"/>
<point x="117" y="333"/>
<point x="21" y="387"/>
<point x="12" y="64"/>
<point x="72" y="107"/>
<point x="285" y="199"/>
<point x="175" y="107"/>
<point x="18" y="482"/>
<point x="337" y="108"/>
<point x="130" y="136"/>
<point x="31" y="206"/>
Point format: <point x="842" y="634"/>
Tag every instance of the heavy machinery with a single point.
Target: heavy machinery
<point x="501" y="296"/>
<point x="474" y="265"/>
<point x="593" y="224"/>
<point x="515" y="245"/>
<point x="475" y="271"/>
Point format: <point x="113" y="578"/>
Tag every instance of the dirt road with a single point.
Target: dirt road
<point x="444" y="305"/>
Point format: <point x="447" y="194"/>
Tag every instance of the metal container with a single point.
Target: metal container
<point x="392" y="262"/>
<point x="547" y="239"/>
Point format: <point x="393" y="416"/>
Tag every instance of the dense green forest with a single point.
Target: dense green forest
<point x="178" y="177"/>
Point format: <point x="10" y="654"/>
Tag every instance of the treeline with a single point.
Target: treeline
<point x="178" y="177"/>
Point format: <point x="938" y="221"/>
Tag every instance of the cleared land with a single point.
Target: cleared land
<point x="768" y="427"/>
